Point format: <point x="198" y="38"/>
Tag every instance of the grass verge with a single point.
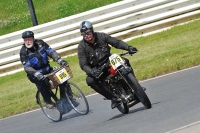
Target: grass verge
<point x="15" y="15"/>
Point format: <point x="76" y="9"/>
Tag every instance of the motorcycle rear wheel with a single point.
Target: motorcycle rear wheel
<point x="139" y="93"/>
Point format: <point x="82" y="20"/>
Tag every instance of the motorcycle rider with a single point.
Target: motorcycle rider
<point x="34" y="55"/>
<point x="93" y="52"/>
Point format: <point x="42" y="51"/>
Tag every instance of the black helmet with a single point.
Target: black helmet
<point x="85" y="26"/>
<point x="27" y="34"/>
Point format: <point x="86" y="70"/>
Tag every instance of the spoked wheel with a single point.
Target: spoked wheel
<point x="52" y="113"/>
<point x="139" y="93"/>
<point x="142" y="97"/>
<point x="123" y="108"/>
<point x="81" y="105"/>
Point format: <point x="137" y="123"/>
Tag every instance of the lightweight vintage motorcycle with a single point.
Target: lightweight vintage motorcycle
<point x="122" y="84"/>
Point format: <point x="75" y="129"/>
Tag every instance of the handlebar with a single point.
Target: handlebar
<point x="107" y="64"/>
<point x="122" y="54"/>
<point x="54" y="80"/>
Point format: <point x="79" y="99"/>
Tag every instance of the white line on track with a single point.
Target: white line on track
<point x="170" y="73"/>
<point x="183" y="127"/>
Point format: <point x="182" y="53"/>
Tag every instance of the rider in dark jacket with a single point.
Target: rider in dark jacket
<point x="34" y="56"/>
<point x="93" y="51"/>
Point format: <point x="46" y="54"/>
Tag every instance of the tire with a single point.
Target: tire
<point x="123" y="108"/>
<point x="139" y="93"/>
<point x="53" y="113"/>
<point x="77" y="94"/>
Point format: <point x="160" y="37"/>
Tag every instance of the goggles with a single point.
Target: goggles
<point x="88" y="32"/>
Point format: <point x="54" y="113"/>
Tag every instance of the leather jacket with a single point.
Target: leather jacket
<point x="94" y="55"/>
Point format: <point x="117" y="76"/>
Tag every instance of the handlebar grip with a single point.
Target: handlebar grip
<point x="128" y="53"/>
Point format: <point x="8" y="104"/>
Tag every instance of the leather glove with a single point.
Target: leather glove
<point x="95" y="72"/>
<point x="62" y="62"/>
<point x="132" y="50"/>
<point x="42" y="78"/>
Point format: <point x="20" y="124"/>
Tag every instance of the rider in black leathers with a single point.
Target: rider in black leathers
<point x="34" y="55"/>
<point x="93" y="52"/>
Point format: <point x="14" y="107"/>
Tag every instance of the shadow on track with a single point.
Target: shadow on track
<point x="131" y="111"/>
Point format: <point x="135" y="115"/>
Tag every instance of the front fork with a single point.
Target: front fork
<point x="118" y="90"/>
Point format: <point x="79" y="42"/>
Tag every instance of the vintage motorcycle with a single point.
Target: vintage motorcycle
<point x="122" y="84"/>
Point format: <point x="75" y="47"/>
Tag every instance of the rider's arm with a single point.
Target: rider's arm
<point x="114" y="41"/>
<point x="83" y="62"/>
<point x="26" y="63"/>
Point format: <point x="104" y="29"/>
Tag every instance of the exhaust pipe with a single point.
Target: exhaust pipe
<point x="132" y="103"/>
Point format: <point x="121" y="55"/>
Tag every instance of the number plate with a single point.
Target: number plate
<point x="115" y="61"/>
<point x="62" y="75"/>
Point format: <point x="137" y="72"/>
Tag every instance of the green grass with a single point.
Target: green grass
<point x="169" y="51"/>
<point x="161" y="53"/>
<point x="15" y="15"/>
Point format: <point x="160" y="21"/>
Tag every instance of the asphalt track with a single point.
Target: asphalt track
<point x="175" y="109"/>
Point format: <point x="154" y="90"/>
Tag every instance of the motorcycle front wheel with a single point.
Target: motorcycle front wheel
<point x="139" y="93"/>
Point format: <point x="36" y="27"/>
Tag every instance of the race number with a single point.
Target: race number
<point x="62" y="75"/>
<point x="115" y="61"/>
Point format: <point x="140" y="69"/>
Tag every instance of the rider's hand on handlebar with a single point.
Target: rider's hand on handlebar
<point x="41" y="77"/>
<point x="62" y="62"/>
<point x="95" y="72"/>
<point x="132" y="50"/>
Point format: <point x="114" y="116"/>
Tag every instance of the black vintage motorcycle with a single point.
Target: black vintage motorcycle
<point x="123" y="85"/>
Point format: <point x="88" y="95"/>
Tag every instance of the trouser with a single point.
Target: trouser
<point x="62" y="90"/>
<point x="100" y="88"/>
<point x="42" y="87"/>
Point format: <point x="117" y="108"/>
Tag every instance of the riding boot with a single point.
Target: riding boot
<point x="101" y="90"/>
<point x="62" y="91"/>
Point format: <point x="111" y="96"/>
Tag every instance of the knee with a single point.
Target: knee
<point x="90" y="81"/>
